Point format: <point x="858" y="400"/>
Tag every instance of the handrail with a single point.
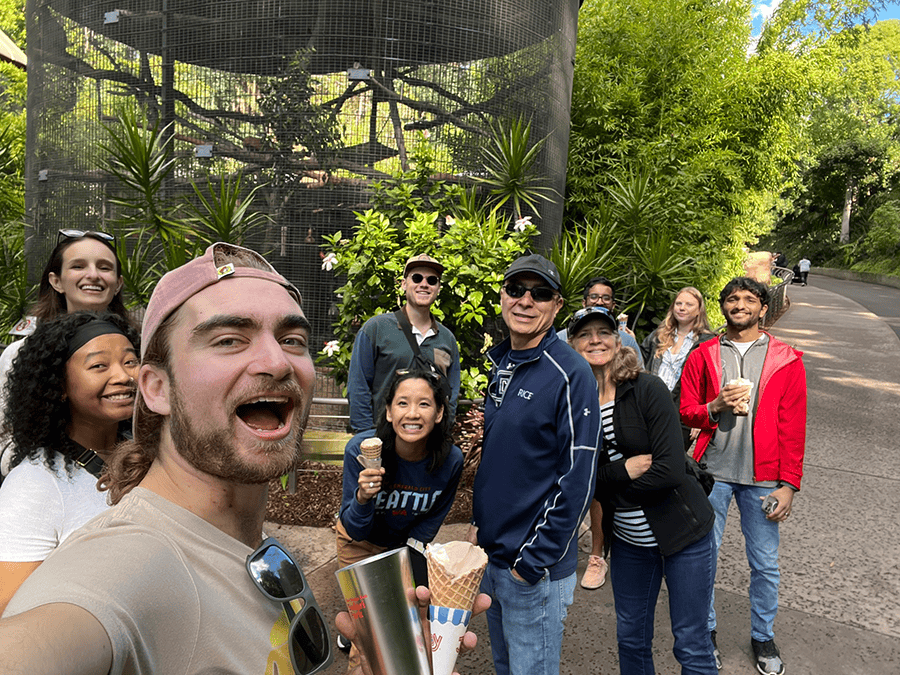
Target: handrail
<point x="777" y="294"/>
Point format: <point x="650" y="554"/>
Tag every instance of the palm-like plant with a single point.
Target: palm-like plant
<point x="222" y="215"/>
<point x="510" y="162"/>
<point x="15" y="293"/>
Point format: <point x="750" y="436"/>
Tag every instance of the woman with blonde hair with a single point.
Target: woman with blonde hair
<point x="666" y="349"/>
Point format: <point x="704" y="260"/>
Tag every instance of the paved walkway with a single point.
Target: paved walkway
<point x="840" y="552"/>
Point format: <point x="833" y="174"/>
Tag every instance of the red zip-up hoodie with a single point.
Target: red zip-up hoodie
<point x="779" y="423"/>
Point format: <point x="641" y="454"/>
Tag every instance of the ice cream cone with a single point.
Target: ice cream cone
<point x="371" y="448"/>
<point x="370" y="453"/>
<point x="454" y="577"/>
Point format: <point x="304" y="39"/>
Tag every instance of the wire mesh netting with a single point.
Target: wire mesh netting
<point x="310" y="99"/>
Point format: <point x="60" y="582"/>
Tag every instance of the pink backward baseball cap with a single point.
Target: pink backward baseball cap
<point x="182" y="283"/>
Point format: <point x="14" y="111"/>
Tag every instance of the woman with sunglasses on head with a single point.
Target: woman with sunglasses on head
<point x="657" y="520"/>
<point x="666" y="349"/>
<point x="406" y="500"/>
<point x="83" y="273"/>
<point x="73" y="387"/>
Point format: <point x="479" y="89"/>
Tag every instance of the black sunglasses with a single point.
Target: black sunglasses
<point x="78" y="234"/>
<point x="538" y="293"/>
<point x="280" y="579"/>
<point x="431" y="279"/>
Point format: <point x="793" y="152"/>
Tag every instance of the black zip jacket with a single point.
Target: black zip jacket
<point x="645" y="421"/>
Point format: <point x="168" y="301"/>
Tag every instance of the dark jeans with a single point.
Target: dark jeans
<point x="637" y="573"/>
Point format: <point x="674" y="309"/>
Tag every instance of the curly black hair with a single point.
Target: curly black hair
<point x="440" y="440"/>
<point x="36" y="414"/>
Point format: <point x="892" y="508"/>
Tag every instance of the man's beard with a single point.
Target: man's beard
<point x="743" y="325"/>
<point x="213" y="452"/>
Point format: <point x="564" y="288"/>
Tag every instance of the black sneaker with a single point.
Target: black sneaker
<point x="343" y="643"/>
<point x="712" y="636"/>
<point x="768" y="659"/>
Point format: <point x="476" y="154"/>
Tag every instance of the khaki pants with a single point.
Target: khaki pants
<point x="349" y="552"/>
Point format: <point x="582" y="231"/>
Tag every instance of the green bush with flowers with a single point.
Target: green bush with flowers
<point x="474" y="252"/>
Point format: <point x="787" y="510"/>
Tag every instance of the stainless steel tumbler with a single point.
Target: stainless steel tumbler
<point x="381" y="599"/>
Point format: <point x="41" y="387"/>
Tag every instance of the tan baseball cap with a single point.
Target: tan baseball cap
<point x="422" y="260"/>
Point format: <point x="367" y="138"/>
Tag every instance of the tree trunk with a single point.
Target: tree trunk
<point x="845" y="215"/>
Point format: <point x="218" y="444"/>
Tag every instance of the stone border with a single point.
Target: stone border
<point x="850" y="275"/>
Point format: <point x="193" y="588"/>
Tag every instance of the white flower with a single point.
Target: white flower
<point x="522" y="223"/>
<point x="331" y="347"/>
<point x="328" y="262"/>
<point x="450" y="220"/>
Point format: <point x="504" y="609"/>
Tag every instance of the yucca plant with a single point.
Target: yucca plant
<point x="223" y="214"/>
<point x="510" y="162"/>
<point x="15" y="293"/>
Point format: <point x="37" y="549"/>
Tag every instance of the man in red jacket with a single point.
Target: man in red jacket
<point x="746" y="392"/>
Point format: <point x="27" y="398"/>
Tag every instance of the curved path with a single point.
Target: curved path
<point x="840" y="552"/>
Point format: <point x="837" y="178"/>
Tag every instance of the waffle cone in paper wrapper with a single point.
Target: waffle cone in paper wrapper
<point x="454" y="577"/>
<point x="370" y="453"/>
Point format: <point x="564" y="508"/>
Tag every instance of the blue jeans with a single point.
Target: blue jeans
<point x="526" y="622"/>
<point x="761" y="543"/>
<point x="637" y="573"/>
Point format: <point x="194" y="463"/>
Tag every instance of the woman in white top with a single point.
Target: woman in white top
<point x="71" y="394"/>
<point x="82" y="273"/>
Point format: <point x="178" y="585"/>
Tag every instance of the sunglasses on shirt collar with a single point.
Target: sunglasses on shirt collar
<point x="280" y="579"/>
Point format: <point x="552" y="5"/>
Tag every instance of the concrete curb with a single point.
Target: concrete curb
<point x="850" y="275"/>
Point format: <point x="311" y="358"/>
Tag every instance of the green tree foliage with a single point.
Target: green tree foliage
<point x="474" y="254"/>
<point x="679" y="136"/>
<point x="851" y="161"/>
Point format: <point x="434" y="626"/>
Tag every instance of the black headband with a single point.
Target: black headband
<point x="88" y="331"/>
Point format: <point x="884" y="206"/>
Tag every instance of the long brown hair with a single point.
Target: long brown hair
<point x="51" y="303"/>
<point x="665" y="334"/>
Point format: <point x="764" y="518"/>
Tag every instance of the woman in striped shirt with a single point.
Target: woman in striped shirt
<point x="657" y="521"/>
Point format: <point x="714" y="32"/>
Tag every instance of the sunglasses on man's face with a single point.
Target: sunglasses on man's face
<point x="431" y="279"/>
<point x="78" y="234"/>
<point x="538" y="293"/>
<point x="280" y="579"/>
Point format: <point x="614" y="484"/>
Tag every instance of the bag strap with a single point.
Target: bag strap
<point x="406" y="327"/>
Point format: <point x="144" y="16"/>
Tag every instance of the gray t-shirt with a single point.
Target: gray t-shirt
<point x="729" y="456"/>
<point x="170" y="589"/>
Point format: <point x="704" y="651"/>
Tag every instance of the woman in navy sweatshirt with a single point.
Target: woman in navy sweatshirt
<point x="404" y="502"/>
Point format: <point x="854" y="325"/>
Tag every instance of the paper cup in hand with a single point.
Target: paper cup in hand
<point x="381" y="599"/>
<point x="370" y="453"/>
<point x="742" y="408"/>
<point x="454" y="577"/>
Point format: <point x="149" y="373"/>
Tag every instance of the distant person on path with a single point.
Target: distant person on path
<point x="382" y="346"/>
<point x="657" y="519"/>
<point x="71" y="390"/>
<point x="752" y="440"/>
<point x="404" y="502"/>
<point x="780" y="259"/>
<point x="666" y="349"/>
<point x="804" y="266"/>
<point x="537" y="473"/>
<point x="600" y="292"/>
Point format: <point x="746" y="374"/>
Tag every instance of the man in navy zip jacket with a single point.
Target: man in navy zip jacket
<point x="537" y="473"/>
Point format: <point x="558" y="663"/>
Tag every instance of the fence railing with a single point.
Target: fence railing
<point x="777" y="294"/>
